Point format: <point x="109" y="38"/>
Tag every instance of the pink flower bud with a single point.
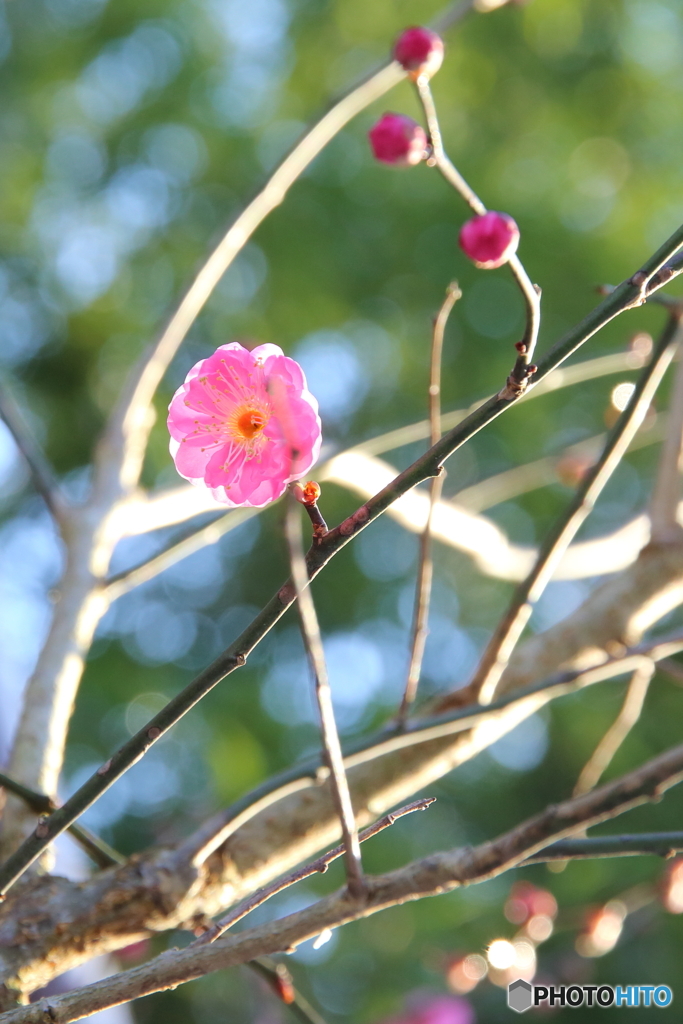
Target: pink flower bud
<point x="489" y="240"/>
<point x="419" y="50"/>
<point x="397" y="139"/>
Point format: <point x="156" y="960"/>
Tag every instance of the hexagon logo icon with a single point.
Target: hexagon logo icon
<point x="519" y="996"/>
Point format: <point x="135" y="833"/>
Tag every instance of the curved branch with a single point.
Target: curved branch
<point x="629" y="294"/>
<point x="441" y="872"/>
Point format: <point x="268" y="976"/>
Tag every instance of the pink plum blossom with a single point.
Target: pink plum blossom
<point x="227" y="429"/>
<point x="397" y="139"/>
<point x="437" y="1010"/>
<point x="489" y="240"/>
<point x="419" y="50"/>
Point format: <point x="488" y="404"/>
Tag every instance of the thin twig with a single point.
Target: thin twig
<point x="660" y="844"/>
<point x="438" y="873"/>
<point x="567" y="376"/>
<point x="104" y="855"/>
<point x="318" y="866"/>
<point x="122" y="582"/>
<point x="628" y="295"/>
<point x="43" y="477"/>
<point x="281" y="982"/>
<point x="332" y="752"/>
<point x="530" y="293"/>
<point x="629" y="714"/>
<point x="497" y="654"/>
<point x="666" y="493"/>
<point x="423" y="586"/>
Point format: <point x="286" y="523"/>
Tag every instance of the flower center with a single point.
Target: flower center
<point x="250" y="423"/>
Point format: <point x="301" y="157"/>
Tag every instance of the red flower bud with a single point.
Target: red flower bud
<point x="307" y="493"/>
<point x="397" y="139"/>
<point x="489" y="240"/>
<point x="419" y="50"/>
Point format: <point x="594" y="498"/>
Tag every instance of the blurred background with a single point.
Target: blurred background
<point x="130" y="134"/>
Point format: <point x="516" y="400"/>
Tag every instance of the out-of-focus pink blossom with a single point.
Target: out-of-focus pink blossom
<point x="527" y="900"/>
<point x="437" y="1010"/>
<point x="672" y="887"/>
<point x="419" y="50"/>
<point x="397" y="139"/>
<point x="489" y="240"/>
<point x="226" y="434"/>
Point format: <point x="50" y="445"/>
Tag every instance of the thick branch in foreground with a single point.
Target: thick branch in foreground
<point x="439" y="873"/>
<point x="260" y="838"/>
<point x="629" y="294"/>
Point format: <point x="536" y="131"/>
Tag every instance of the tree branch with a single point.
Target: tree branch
<point x="263" y="836"/>
<point x="331" y="752"/>
<point x="104" y="855"/>
<point x="498" y="651"/>
<point x="441" y="872"/>
<point x="43" y="477"/>
<point x="530" y="292"/>
<point x="630" y="293"/>
<point x="318" y="866"/>
<point x="629" y="714"/>
<point x="667" y="488"/>
<point x="280" y="981"/>
<point x="660" y="844"/>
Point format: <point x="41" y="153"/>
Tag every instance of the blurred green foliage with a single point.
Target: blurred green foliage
<point x="130" y="134"/>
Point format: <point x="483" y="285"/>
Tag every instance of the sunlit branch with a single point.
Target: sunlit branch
<point x="564" y="377"/>
<point x="423" y="586"/>
<point x="530" y="476"/>
<point x="666" y="492"/>
<point x="508" y="632"/>
<point x="438" y="873"/>
<point x="628" y="295"/>
<point x="122" y="582"/>
<point x="318" y="866"/>
<point x="629" y="714"/>
<point x="218" y="829"/>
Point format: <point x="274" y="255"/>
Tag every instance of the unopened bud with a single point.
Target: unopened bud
<point x="419" y="50"/>
<point x="397" y="139"/>
<point x="307" y="493"/>
<point x="489" y="240"/>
